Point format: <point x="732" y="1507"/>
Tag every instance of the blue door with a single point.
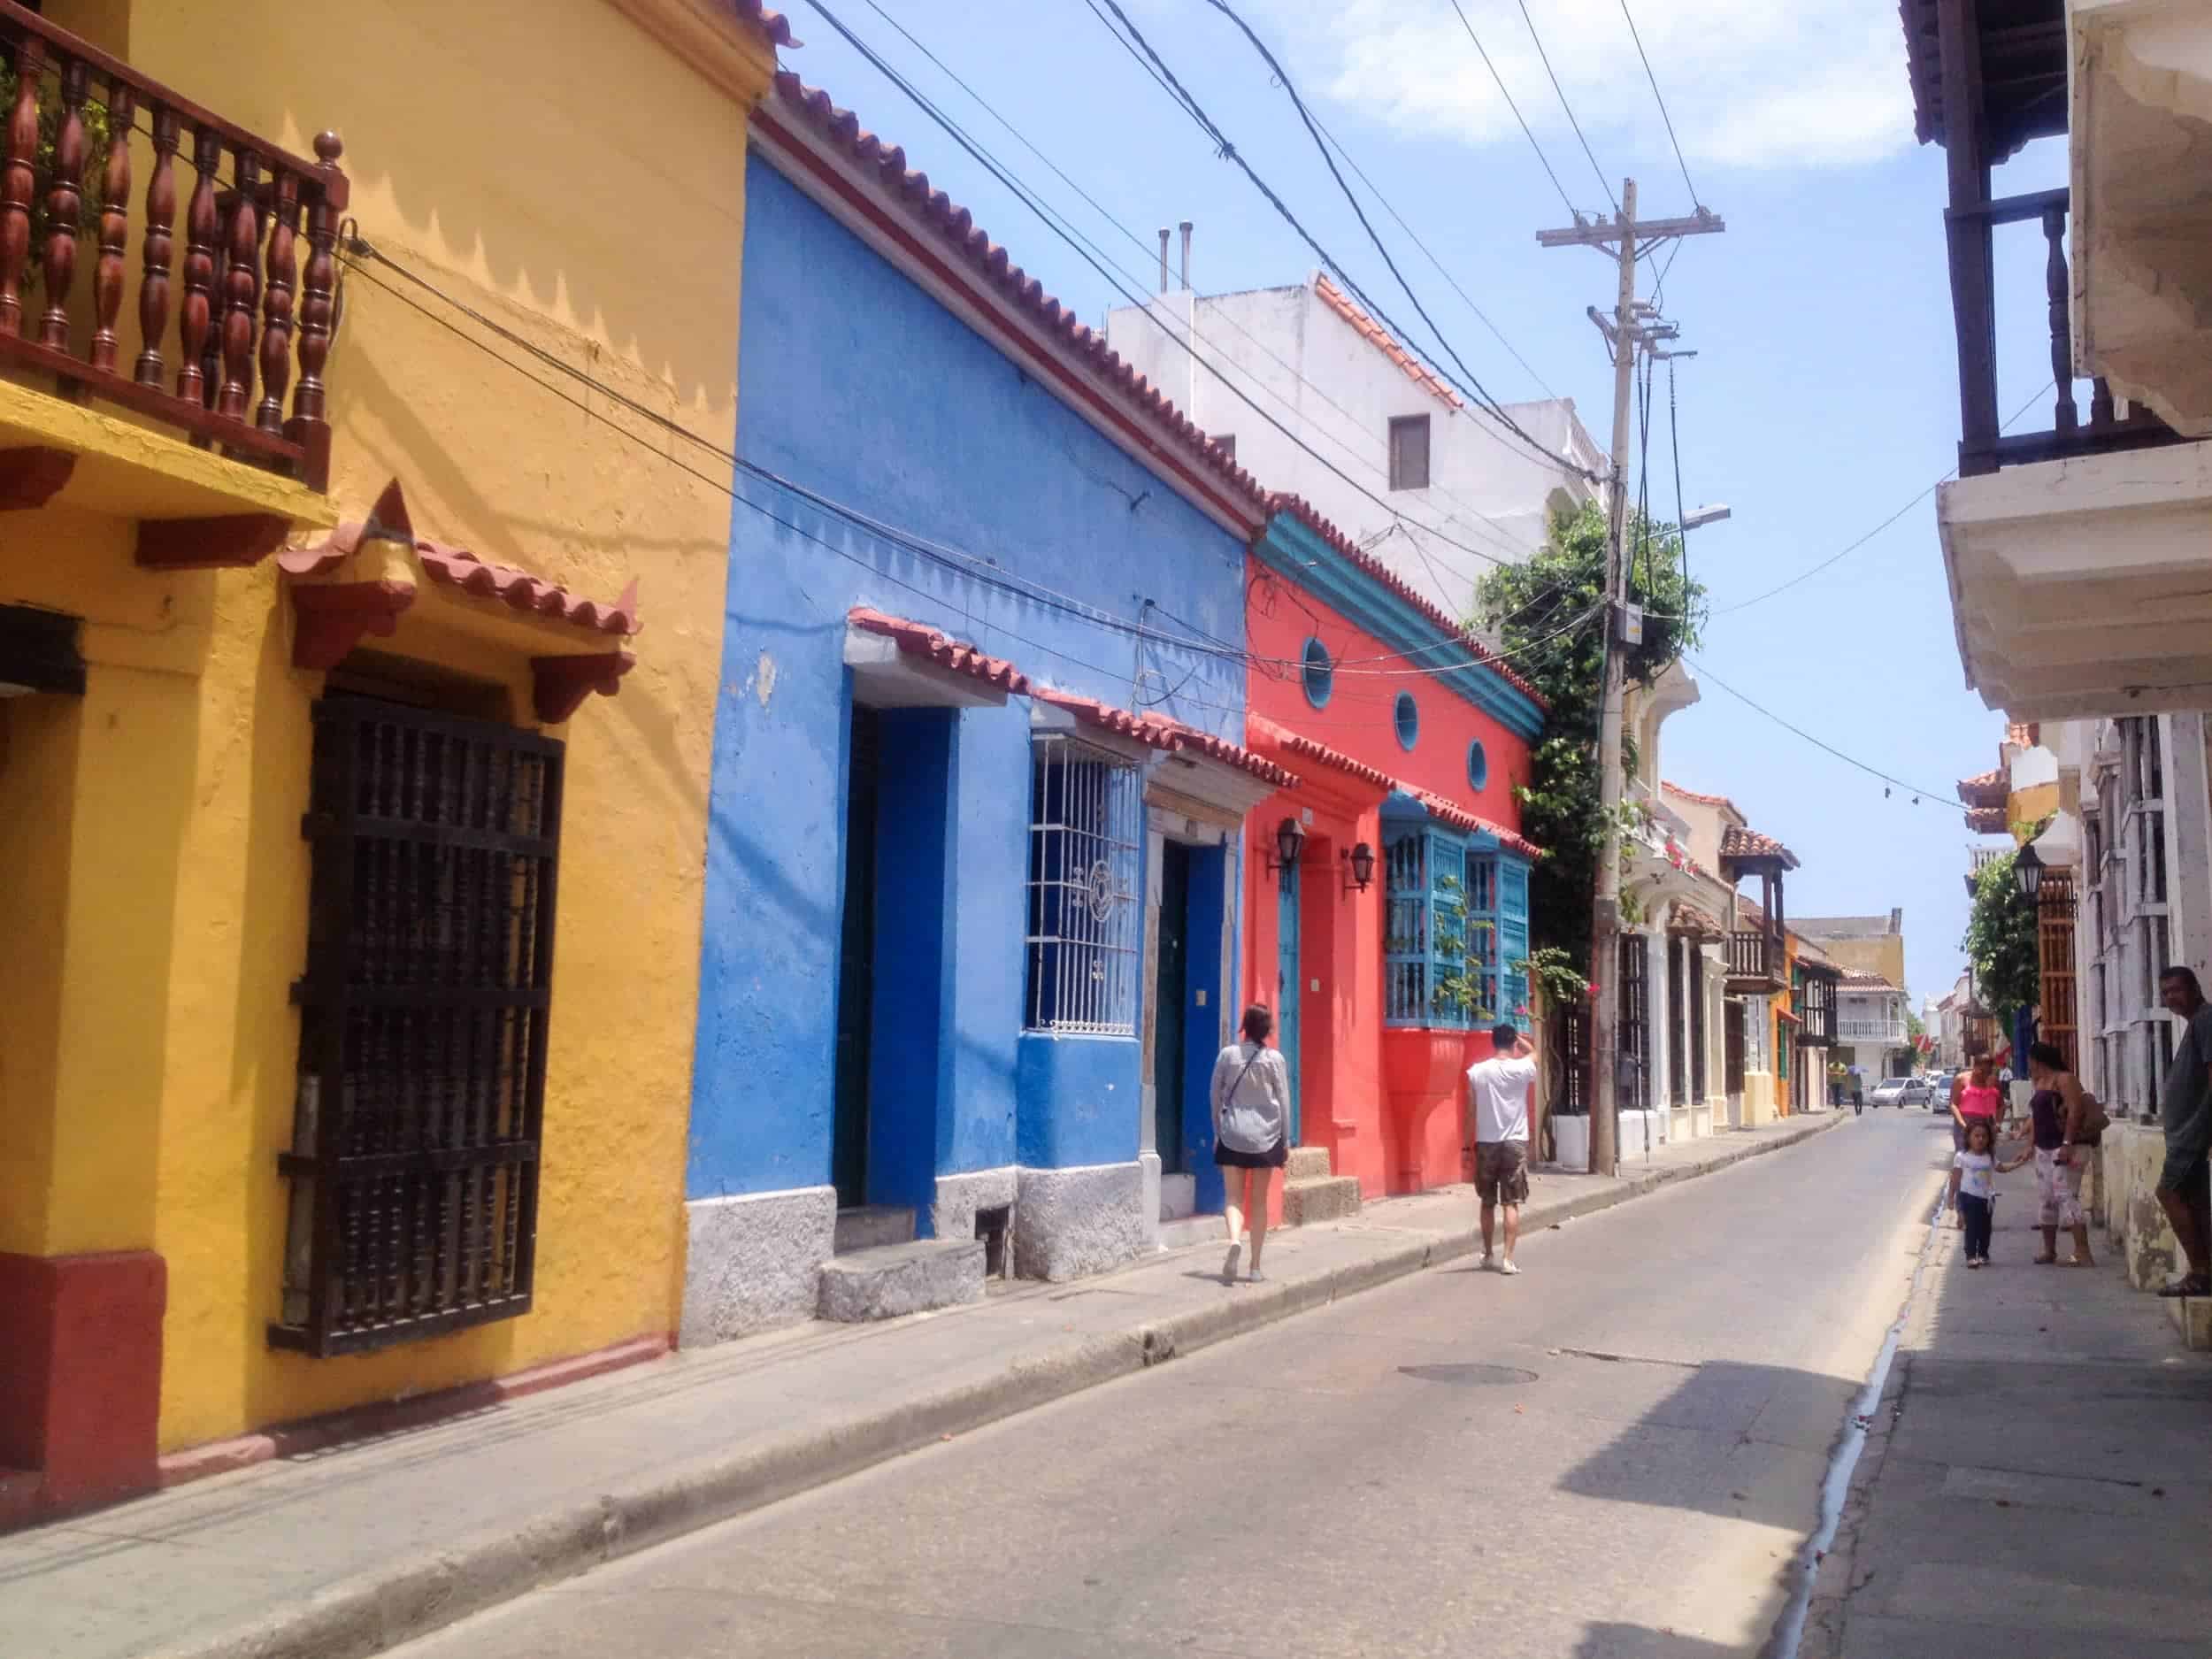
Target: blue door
<point x="1289" y="987"/>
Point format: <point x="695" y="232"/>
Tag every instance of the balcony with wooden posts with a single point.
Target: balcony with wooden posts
<point x="124" y="202"/>
<point x="2077" y="545"/>
<point x="1756" y="963"/>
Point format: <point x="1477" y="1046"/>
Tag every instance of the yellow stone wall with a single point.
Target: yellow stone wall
<point x="557" y="168"/>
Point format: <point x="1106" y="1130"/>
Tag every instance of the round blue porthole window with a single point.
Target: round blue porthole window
<point x="1477" y="764"/>
<point x="1320" y="673"/>
<point x="1407" y="715"/>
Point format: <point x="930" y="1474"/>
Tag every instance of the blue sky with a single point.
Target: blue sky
<point x="1824" y="394"/>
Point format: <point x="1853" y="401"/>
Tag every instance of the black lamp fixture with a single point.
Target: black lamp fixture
<point x="1290" y="840"/>
<point x="2029" y="869"/>
<point x="1360" y="865"/>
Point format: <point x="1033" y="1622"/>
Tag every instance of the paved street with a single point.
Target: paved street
<point x="1618" y="1454"/>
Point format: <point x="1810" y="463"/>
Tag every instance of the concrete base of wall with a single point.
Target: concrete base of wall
<point x="1758" y="1099"/>
<point x="1570" y="1141"/>
<point x="2126" y="1192"/>
<point x="1640" y="1132"/>
<point x="754" y="1261"/>
<point x="1149" y="1165"/>
<point x="1068" y="1224"/>
<point x="952" y="1213"/>
<point x="895" y="1279"/>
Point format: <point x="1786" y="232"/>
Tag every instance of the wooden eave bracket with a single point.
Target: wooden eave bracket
<point x="225" y="541"/>
<point x="31" y="476"/>
<point x="558" y="685"/>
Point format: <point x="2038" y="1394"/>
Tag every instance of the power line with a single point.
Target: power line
<point x="1496" y="532"/>
<point x="1229" y="150"/>
<point x="1674" y="441"/>
<point x="1937" y="795"/>
<point x="981" y="570"/>
<point x="1526" y="131"/>
<point x="1661" y="99"/>
<point x="1546" y="59"/>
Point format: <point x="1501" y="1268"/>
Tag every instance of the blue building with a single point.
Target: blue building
<point x="973" y="872"/>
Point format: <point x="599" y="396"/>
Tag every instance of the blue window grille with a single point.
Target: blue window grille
<point x="1456" y="909"/>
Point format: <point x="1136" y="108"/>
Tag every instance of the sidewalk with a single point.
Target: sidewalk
<point x="354" y="1549"/>
<point x="2035" y="1482"/>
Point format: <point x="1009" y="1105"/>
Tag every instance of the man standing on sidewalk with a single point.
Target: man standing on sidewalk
<point x="1496" y="1110"/>
<point x="2185" y="1186"/>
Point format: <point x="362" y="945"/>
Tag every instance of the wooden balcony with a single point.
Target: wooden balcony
<point x="1984" y="446"/>
<point x="222" y="330"/>
<point x="1754" y="964"/>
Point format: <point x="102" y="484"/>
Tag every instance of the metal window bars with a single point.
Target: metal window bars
<point x="414" y="1157"/>
<point x="1086" y="821"/>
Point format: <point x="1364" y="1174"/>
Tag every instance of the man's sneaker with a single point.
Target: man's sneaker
<point x="1506" y="1266"/>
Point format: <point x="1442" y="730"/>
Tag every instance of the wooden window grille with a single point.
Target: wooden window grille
<point x="1677" y="1023"/>
<point x="1696" y="962"/>
<point x="1632" y="1082"/>
<point x="416" y="1134"/>
<point x="1086" y="824"/>
<point x="2054" y="946"/>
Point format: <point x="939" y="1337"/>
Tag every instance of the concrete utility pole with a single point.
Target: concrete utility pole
<point x="1629" y="334"/>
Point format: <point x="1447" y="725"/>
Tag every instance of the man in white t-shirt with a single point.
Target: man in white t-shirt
<point x="1496" y="1110"/>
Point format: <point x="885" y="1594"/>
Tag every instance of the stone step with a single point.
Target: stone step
<point x="866" y="1226"/>
<point x="1330" y="1198"/>
<point x="1176" y="1235"/>
<point x="888" y="1280"/>
<point x="1307" y="1163"/>
<point x="2192" y="1317"/>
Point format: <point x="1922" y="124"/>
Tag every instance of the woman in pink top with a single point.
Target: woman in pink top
<point x="1975" y="1099"/>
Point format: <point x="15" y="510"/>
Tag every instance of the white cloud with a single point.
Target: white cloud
<point x="1750" y="84"/>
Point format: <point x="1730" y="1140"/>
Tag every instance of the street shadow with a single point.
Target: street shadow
<point x="1640" y="1642"/>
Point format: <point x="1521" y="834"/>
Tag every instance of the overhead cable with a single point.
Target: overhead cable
<point x="1545" y="57"/>
<point x="1659" y="97"/>
<point x="1527" y="132"/>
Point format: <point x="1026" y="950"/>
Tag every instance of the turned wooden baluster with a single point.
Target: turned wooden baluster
<point x="241" y="265"/>
<point x="65" y="201"/>
<point x="217" y="299"/>
<point x="2100" y="402"/>
<point x="115" y="227"/>
<point x="18" y="178"/>
<point x="161" y="213"/>
<point x="276" y="311"/>
<point x="309" y="425"/>
<point x="199" y="266"/>
<point x="2055" y="290"/>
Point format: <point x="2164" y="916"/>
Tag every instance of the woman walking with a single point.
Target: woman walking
<point x="1251" y="1101"/>
<point x="2060" y="1110"/>
<point x="1976" y="1100"/>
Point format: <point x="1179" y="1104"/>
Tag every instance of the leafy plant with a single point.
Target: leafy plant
<point x="94" y="115"/>
<point x="2000" y="943"/>
<point x="1548" y="613"/>
<point x="1552" y="970"/>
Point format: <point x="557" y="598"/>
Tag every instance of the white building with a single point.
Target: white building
<point x="1870" y="1026"/>
<point x="1435" y="488"/>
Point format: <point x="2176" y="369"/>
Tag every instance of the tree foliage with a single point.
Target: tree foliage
<point x="1545" y="615"/>
<point x="2000" y="943"/>
<point x="94" y="116"/>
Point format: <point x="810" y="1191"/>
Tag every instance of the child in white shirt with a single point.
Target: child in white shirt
<point x="1974" y="1173"/>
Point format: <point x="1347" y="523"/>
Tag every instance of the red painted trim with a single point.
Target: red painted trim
<point x="312" y="1434"/>
<point x="792" y="147"/>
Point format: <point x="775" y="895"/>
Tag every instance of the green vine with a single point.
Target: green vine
<point x="1551" y="969"/>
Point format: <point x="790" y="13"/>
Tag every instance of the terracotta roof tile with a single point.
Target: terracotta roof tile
<point x="1385" y="343"/>
<point x="1306" y="513"/>
<point x="952" y="227"/>
<point x="1170" y="736"/>
<point x="1987" y="788"/>
<point x="1305" y="746"/>
<point x="773" y="24"/>
<point x="918" y="639"/>
<point x="1985" y="820"/>
<point x="1460" y="817"/>
<point x="1689" y="919"/>
<point x="1857" y="979"/>
<point x="1736" y="842"/>
<point x="1678" y="791"/>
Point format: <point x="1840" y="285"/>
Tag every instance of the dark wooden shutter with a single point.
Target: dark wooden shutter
<point x="414" y="1161"/>
<point x="2055" y="942"/>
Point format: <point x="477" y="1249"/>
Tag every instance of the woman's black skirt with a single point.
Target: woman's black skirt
<point x="1273" y="1158"/>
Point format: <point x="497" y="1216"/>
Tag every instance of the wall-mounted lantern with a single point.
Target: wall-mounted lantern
<point x="1290" y="840"/>
<point x="1359" y="864"/>
<point x="2029" y="869"/>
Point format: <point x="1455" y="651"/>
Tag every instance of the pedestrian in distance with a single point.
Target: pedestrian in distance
<point x="1251" y="1105"/>
<point x="1974" y="1171"/>
<point x="2067" y="1122"/>
<point x="1496" y="1152"/>
<point x="1977" y="1099"/>
<point x="2184" y="1184"/>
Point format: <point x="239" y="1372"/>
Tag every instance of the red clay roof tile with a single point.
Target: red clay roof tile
<point x="1157" y="731"/>
<point x="1458" y="817"/>
<point x="918" y="639"/>
<point x="1300" y="745"/>
<point x="1385" y="343"/>
<point x="773" y="24"/>
<point x="1748" y="843"/>
<point x="1676" y="789"/>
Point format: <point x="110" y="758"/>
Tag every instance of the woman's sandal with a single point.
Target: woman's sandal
<point x="2043" y="1261"/>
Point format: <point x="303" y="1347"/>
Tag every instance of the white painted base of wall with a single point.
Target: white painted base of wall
<point x="1148" y="1165"/>
<point x="952" y="1214"/>
<point x="1640" y="1132"/>
<point x="1570" y="1142"/>
<point x="753" y="1262"/>
<point x="1070" y="1223"/>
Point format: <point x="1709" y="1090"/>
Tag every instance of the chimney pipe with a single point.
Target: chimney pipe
<point x="1185" y="228"/>
<point x="1163" y="233"/>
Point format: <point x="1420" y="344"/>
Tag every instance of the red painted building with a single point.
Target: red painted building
<point x="1408" y="739"/>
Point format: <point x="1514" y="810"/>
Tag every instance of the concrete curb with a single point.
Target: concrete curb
<point x="409" y="1598"/>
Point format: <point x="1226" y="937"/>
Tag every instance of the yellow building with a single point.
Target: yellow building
<point x="283" y="1050"/>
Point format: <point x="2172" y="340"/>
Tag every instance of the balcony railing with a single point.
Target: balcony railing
<point x="1870" y="1030"/>
<point x="1753" y="960"/>
<point x="1982" y="446"/>
<point x="246" y="309"/>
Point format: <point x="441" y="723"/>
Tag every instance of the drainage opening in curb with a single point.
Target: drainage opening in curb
<point x="991" y="1226"/>
<point x="1469" y="1375"/>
